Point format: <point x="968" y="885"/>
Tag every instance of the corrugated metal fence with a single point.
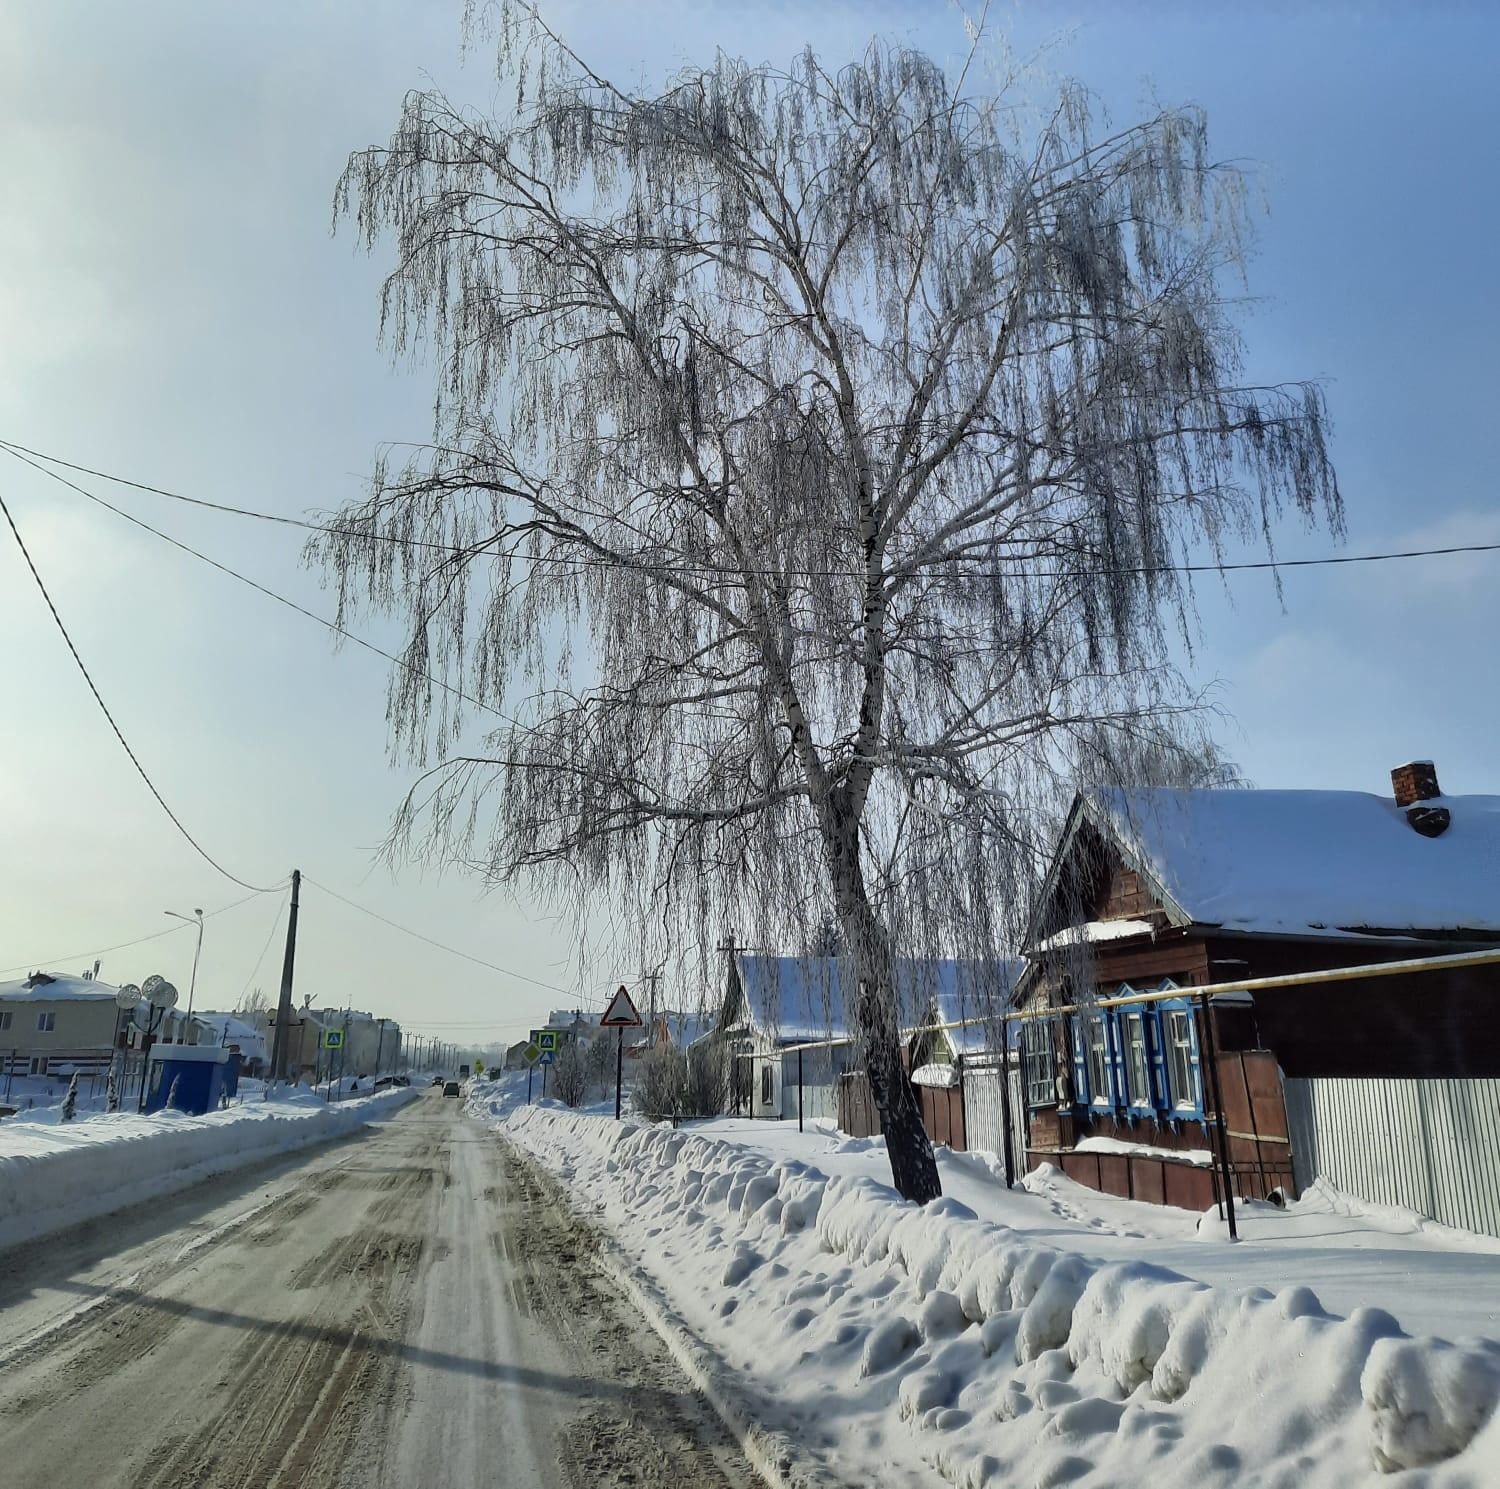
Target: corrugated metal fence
<point x="819" y="1085"/>
<point x="984" y="1114"/>
<point x="1430" y="1145"/>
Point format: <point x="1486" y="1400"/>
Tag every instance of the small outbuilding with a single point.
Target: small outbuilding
<point x="191" y="1078"/>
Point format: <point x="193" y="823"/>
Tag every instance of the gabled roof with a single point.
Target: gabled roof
<point x="789" y="999"/>
<point x="1303" y="863"/>
<point x="962" y="993"/>
<point x="796" y="999"/>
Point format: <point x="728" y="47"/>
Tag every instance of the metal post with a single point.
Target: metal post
<point x="799" y="1091"/>
<point x="10" y="1073"/>
<point x="619" y="1067"/>
<point x="1007" y="1148"/>
<point x="1211" y="1053"/>
<point x="528" y="1085"/>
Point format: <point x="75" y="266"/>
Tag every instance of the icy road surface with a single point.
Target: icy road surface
<point x="405" y="1308"/>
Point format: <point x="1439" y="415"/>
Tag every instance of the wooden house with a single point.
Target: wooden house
<point x="1155" y="890"/>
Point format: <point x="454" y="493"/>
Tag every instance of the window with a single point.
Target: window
<point x="46" y="1023"/>
<point x="1137" y="1062"/>
<point x="1096" y="1046"/>
<point x="39" y="1065"/>
<point x="1182" y="1060"/>
<point x="1038" y="1063"/>
<point x="767" y="1085"/>
<point x="5" y="1018"/>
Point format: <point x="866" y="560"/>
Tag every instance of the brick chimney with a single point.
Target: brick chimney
<point x="1415" y="784"/>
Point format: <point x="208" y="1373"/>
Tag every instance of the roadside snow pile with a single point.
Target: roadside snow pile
<point x="880" y="1335"/>
<point x="53" y="1176"/>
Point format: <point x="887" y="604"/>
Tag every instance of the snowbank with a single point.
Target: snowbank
<point x="56" y="1175"/>
<point x="881" y="1336"/>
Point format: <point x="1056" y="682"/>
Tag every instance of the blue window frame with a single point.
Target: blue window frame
<point x="1138" y="1082"/>
<point x="1177" y="1028"/>
<point x="1139" y="1061"/>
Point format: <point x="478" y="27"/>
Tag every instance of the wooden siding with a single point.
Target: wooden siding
<point x="1157" y="1181"/>
<point x="1424" y="1025"/>
<point x="942" y="1109"/>
<point x="1126" y="897"/>
<point x="1256" y="1128"/>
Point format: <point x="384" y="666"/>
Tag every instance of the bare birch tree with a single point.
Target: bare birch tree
<point x="812" y="452"/>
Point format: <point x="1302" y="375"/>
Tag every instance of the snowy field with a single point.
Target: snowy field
<point x="1050" y="1336"/>
<point x="54" y="1174"/>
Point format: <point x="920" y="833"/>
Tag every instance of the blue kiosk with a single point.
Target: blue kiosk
<point x="195" y="1077"/>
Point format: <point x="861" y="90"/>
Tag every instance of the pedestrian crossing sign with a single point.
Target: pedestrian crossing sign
<point x="333" y="1039"/>
<point x="546" y="1041"/>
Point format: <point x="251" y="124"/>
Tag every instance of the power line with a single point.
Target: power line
<point x="260" y="588"/>
<point x="104" y="709"/>
<point x="441" y="946"/>
<point x="171" y="930"/>
<point x="708" y="571"/>
<point x="270" y="936"/>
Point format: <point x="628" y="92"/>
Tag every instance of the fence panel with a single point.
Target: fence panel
<point x="984" y="1114"/>
<point x="1428" y="1145"/>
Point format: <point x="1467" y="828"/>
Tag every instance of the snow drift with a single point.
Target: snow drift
<point x="53" y="1176"/>
<point x="999" y="1359"/>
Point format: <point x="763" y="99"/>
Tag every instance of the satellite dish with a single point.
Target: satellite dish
<point x="151" y="984"/>
<point x="127" y="996"/>
<point x="163" y="995"/>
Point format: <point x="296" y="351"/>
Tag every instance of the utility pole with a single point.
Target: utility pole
<point x="280" y="1047"/>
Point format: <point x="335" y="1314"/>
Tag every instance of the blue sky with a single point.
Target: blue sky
<point x="173" y="306"/>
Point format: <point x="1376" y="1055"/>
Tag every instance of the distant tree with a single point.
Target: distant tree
<point x="257" y="1000"/>
<point x="827" y="939"/>
<point x="599" y="1061"/>
<point x="70" y="1101"/>
<point x="813" y="450"/>
<point x="570" y="1082"/>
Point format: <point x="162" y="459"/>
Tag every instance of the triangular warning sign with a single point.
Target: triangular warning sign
<point x="621" y="1012"/>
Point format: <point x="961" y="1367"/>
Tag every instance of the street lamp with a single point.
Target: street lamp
<point x="195" y="919"/>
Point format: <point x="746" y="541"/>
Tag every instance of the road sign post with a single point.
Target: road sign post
<point x="620" y="1016"/>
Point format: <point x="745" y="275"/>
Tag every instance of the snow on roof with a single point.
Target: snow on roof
<point x="58" y="986"/>
<point x="569" y="1018"/>
<point x="1093" y="931"/>
<point x="801" y="998"/>
<point x="230" y="1028"/>
<point x="686" y="1029"/>
<point x="963" y="993"/>
<point x="1323" y="863"/>
<point x="792" y="998"/>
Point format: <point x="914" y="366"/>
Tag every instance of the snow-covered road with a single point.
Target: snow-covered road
<point x="403" y="1308"/>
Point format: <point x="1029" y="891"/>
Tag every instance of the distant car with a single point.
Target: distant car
<point x="451" y="1089"/>
<point x="386" y="1081"/>
<point x="437" y="1080"/>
